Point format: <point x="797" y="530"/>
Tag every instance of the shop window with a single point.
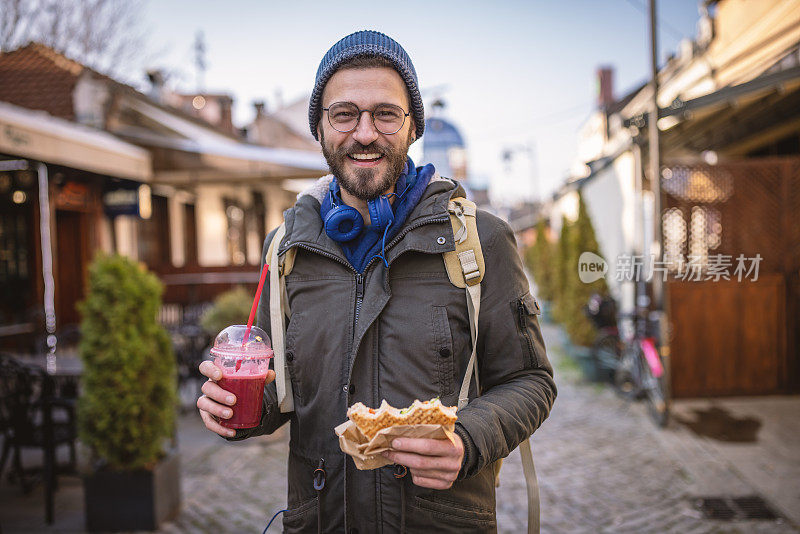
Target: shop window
<point x="190" y="234"/>
<point x="236" y="235"/>
<point x="17" y="203"/>
<point x="256" y="227"/>
<point x="154" y="235"/>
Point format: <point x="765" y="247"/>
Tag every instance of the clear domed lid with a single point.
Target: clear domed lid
<point x="231" y="343"/>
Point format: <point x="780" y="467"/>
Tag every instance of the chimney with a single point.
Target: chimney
<point x="156" y="77"/>
<point x="605" y="87"/>
<point x="259" y="105"/>
<point x="226" y="113"/>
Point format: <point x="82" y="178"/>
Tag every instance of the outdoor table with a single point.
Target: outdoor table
<point x="60" y="390"/>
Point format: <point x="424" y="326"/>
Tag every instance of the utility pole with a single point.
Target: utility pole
<point x="655" y="160"/>
<point x="200" y="60"/>
<point x="659" y="286"/>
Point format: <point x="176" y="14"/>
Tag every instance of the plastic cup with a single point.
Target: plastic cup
<point x="244" y="365"/>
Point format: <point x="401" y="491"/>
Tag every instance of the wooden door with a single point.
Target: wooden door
<point x="730" y="336"/>
<point x="72" y="256"/>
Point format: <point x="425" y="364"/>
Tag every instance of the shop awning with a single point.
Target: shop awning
<point x="39" y="136"/>
<point x="185" y="151"/>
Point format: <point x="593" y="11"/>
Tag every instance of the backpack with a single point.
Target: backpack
<point x="465" y="268"/>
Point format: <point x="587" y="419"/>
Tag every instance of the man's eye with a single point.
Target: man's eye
<point x="385" y="114"/>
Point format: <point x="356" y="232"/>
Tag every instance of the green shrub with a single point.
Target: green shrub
<point x="562" y="259"/>
<point x="126" y="412"/>
<point x="539" y="259"/>
<point x="230" y="307"/>
<point x="581" y="239"/>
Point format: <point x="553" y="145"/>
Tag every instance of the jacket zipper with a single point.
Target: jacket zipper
<point x="359" y="299"/>
<point x="322" y="253"/>
<point x="359" y="278"/>
<point x="360" y="285"/>
<point x="521" y="313"/>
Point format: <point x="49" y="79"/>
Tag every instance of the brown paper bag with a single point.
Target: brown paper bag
<point x="367" y="453"/>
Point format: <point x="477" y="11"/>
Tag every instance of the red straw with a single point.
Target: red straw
<point x="255" y="303"/>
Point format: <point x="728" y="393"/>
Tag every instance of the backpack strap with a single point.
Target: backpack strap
<point x="278" y="310"/>
<point x="465" y="268"/>
<point x="531" y="486"/>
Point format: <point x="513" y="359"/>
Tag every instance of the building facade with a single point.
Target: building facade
<point x="132" y="173"/>
<point x="729" y="128"/>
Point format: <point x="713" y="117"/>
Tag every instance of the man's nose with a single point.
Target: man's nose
<point x="365" y="132"/>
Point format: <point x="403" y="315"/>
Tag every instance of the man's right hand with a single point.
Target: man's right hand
<point x="216" y="403"/>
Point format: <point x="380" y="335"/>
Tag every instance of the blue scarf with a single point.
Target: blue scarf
<point x="369" y="243"/>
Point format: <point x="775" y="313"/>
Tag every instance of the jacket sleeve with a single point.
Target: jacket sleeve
<point x="271" y="416"/>
<point x="516" y="378"/>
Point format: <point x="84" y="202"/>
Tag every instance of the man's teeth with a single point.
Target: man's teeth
<point x="365" y="156"/>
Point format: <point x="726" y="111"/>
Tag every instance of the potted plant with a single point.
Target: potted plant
<point x="126" y="411"/>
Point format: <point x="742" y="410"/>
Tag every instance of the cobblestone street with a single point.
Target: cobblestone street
<point x="602" y="467"/>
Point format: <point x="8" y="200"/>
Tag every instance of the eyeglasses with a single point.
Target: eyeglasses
<point x="387" y="118"/>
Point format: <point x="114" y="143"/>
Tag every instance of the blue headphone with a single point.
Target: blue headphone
<point x="344" y="223"/>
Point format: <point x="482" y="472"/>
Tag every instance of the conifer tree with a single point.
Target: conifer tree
<point x="541" y="258"/>
<point x="581" y="239"/>
<point x="561" y="273"/>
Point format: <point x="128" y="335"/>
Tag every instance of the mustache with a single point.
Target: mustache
<point x="373" y="147"/>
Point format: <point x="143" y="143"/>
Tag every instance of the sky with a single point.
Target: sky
<point x="516" y="75"/>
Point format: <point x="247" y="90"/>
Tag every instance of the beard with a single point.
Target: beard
<point x="366" y="184"/>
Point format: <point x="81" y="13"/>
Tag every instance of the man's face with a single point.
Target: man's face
<point x="366" y="88"/>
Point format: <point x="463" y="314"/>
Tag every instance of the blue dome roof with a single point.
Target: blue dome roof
<point x="439" y="133"/>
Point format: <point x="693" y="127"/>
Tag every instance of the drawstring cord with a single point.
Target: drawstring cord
<point x="400" y="471"/>
<point x="319" y="484"/>
<point x="382" y="255"/>
<point x="273" y="519"/>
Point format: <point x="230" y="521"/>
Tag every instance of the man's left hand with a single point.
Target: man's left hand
<point x="434" y="463"/>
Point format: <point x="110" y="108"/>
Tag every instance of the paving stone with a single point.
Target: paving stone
<point x="602" y="468"/>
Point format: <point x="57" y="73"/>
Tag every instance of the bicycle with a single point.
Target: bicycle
<point x="607" y="347"/>
<point x="641" y="372"/>
<point x="637" y="369"/>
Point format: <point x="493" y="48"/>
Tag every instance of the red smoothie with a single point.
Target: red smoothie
<point x="249" y="391"/>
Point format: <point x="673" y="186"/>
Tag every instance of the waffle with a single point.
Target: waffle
<point x="370" y="421"/>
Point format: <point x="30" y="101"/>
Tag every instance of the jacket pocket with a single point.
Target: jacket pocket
<point x="525" y="310"/>
<point x="443" y="347"/>
<point x="447" y="516"/>
<point x="301" y="517"/>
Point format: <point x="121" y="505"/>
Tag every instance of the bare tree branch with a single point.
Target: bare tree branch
<point x="103" y="34"/>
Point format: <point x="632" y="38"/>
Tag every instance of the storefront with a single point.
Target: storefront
<point x="53" y="178"/>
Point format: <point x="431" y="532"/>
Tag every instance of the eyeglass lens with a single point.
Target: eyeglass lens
<point x="387" y="118"/>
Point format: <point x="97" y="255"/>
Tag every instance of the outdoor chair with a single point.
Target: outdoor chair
<point x="31" y="416"/>
<point x="189" y="342"/>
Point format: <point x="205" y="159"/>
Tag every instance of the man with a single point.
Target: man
<point x="374" y="316"/>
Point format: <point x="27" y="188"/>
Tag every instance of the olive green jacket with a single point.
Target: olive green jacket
<point x="401" y="334"/>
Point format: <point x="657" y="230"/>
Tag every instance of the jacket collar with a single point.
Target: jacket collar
<point x="304" y="225"/>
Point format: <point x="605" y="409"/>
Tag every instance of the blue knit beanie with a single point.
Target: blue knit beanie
<point x="366" y="43"/>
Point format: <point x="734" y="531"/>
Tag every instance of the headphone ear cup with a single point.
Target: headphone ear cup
<point x="343" y="223"/>
<point x="380" y="213"/>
